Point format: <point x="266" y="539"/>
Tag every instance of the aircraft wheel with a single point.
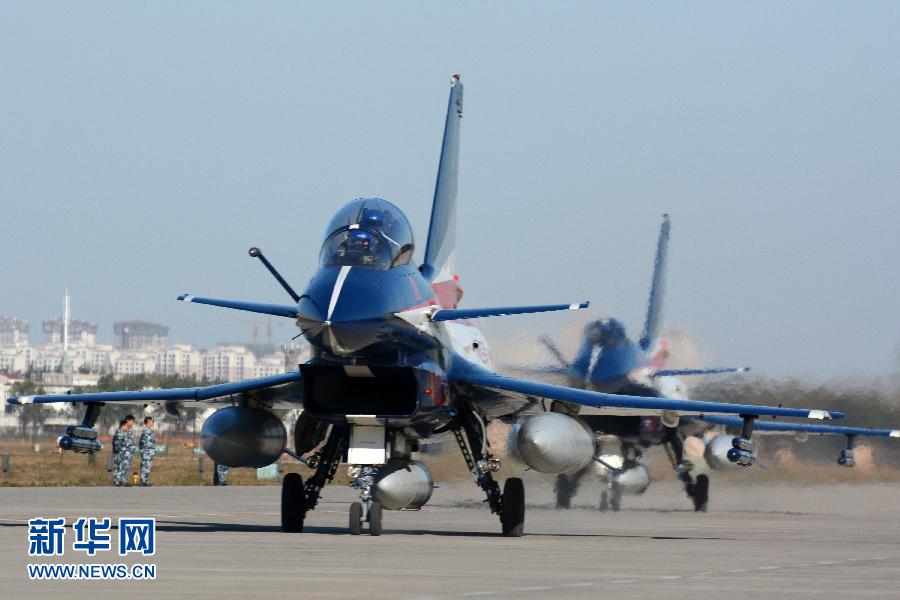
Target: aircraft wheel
<point x="564" y="491"/>
<point x="615" y="498"/>
<point x="701" y="493"/>
<point x="604" y="501"/>
<point x="293" y="509"/>
<point x="513" y="516"/>
<point x="375" y="518"/>
<point x="355" y="518"/>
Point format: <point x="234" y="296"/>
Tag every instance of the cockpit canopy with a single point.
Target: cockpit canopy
<point x="368" y="232"/>
<point x="605" y="332"/>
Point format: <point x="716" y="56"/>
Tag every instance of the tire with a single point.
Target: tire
<point x="355" y="518"/>
<point x="293" y="509"/>
<point x="375" y="513"/>
<point x="615" y="498"/>
<point x="565" y="489"/>
<point x="513" y="516"/>
<point x="701" y="493"/>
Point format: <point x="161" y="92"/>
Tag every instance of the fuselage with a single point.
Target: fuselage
<point x="369" y="360"/>
<point x="608" y="361"/>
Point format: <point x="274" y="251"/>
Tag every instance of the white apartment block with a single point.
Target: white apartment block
<point x="182" y="360"/>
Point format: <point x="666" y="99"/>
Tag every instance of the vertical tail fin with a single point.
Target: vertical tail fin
<point x="439" y="251"/>
<point x="657" y="287"/>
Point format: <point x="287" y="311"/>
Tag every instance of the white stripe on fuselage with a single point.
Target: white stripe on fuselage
<point x="336" y="292"/>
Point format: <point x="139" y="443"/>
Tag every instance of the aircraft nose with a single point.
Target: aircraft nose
<point x="343" y="310"/>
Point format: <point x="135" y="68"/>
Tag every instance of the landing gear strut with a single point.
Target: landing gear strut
<point x="298" y="499"/>
<point x="697" y="488"/>
<point x="471" y="436"/>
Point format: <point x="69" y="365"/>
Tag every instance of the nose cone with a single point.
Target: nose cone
<point x="345" y="310"/>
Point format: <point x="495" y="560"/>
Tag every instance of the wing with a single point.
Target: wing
<point x="481" y="380"/>
<point x="711" y="371"/>
<point x="278" y="310"/>
<point x="274" y="390"/>
<point x="447" y="314"/>
<point x="806" y="427"/>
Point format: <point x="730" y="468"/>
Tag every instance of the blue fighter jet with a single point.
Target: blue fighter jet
<point x="608" y="361"/>
<point x="396" y="363"/>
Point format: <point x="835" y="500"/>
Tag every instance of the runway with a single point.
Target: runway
<point x="839" y="541"/>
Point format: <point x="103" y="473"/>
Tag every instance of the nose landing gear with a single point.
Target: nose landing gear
<point x="360" y="513"/>
<point x="367" y="510"/>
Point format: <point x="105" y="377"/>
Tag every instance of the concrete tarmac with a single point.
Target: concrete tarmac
<point x="828" y="541"/>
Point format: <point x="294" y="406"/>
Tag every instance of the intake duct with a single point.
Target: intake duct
<point x="360" y="390"/>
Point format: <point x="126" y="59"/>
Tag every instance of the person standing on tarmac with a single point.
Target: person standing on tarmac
<point x="220" y="475"/>
<point x="129" y="448"/>
<point x="147" y="447"/>
<point x="118" y="447"/>
<point x="123" y="446"/>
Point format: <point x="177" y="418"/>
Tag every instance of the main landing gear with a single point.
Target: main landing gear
<point x="471" y="435"/>
<point x="298" y="499"/>
<point x="697" y="489"/>
<point x="611" y="497"/>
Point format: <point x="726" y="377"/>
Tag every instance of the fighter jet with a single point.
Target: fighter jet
<point x="608" y="361"/>
<point x="396" y="363"/>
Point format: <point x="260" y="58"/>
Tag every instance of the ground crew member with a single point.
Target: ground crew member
<point x="220" y="476"/>
<point x="147" y="446"/>
<point x="127" y="452"/>
<point x="118" y="447"/>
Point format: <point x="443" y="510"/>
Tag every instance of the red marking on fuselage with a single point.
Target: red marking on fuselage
<point x="659" y="359"/>
<point x="447" y="292"/>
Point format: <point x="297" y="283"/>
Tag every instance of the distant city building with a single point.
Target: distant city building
<point x="182" y="360"/>
<point x="13" y="332"/>
<point x="139" y="335"/>
<point x="140" y="349"/>
<point x="135" y="363"/>
<point x="80" y="332"/>
<point x="15" y="359"/>
<point x="228" y="363"/>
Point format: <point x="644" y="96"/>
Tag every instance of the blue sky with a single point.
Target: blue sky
<point x="145" y="146"/>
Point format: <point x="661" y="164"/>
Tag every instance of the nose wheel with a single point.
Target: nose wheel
<point x="359" y="513"/>
<point x="367" y="510"/>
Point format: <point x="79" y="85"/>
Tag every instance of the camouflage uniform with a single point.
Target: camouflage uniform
<point x="118" y="448"/>
<point x="221" y="475"/>
<point x="147" y="446"/>
<point x="123" y="444"/>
